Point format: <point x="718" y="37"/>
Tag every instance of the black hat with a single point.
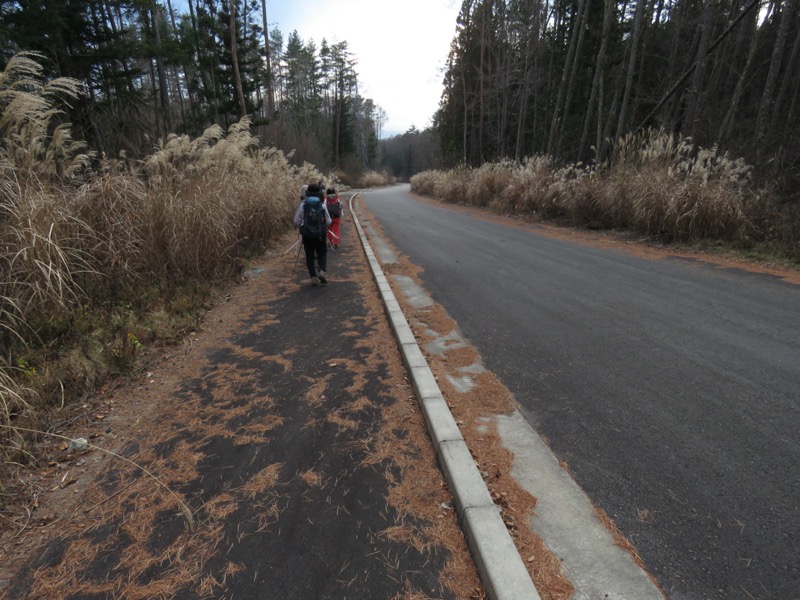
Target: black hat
<point x="313" y="190"/>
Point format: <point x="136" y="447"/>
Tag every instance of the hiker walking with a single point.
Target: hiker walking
<point x="312" y="219"/>
<point x="335" y="211"/>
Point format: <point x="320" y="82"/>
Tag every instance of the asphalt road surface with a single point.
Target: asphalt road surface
<point x="671" y="388"/>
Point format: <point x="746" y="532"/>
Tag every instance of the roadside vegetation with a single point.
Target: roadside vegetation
<point x="657" y="185"/>
<point x="103" y="257"/>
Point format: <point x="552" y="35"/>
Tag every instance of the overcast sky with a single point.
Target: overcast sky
<point x="401" y="48"/>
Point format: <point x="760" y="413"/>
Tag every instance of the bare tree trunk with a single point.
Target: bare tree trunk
<point x="268" y="53"/>
<point x="185" y="70"/>
<point x="108" y="19"/>
<point x="466" y="111"/>
<point x="338" y="98"/>
<point x="158" y="120"/>
<point x="601" y="94"/>
<point x="597" y="81"/>
<point x="555" y="123"/>
<point x="505" y="67"/>
<point x="201" y="75"/>
<point x="481" y="92"/>
<point x="699" y="73"/>
<point x="744" y="75"/>
<point x="787" y="82"/>
<point x="530" y="44"/>
<point x="162" y="74"/>
<point x="634" y="47"/>
<point x="637" y="94"/>
<point x="580" y="24"/>
<point x="237" y="77"/>
<point x="765" y="108"/>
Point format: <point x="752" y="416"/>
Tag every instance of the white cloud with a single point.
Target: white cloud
<point x="400" y="47"/>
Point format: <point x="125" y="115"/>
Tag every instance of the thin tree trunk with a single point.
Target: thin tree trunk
<point x="634" y="47"/>
<point x="523" y="109"/>
<point x="108" y="19"/>
<point x="235" y="60"/>
<point x="156" y="113"/>
<point x="162" y="74"/>
<point x="338" y="131"/>
<point x="765" y="108"/>
<point x="481" y="92"/>
<point x="646" y="28"/>
<point x="787" y="82"/>
<point x="555" y="123"/>
<point x="744" y="75"/>
<point x="596" y="80"/>
<point x="268" y="54"/>
<point x="185" y="70"/>
<point x="580" y="24"/>
<point x="699" y="73"/>
<point x="504" y="76"/>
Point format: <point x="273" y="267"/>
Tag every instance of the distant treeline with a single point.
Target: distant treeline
<point x="149" y="71"/>
<point x="567" y="79"/>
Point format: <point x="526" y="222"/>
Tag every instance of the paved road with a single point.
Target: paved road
<point x="671" y="388"/>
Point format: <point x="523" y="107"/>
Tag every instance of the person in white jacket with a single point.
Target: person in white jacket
<point x="312" y="219"/>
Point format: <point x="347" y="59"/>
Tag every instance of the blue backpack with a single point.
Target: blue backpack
<point x="313" y="218"/>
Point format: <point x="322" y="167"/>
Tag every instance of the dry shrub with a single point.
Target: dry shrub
<point x="453" y="188"/>
<point x="528" y="191"/>
<point x="89" y="254"/>
<point x="657" y="184"/>
<point x="372" y="179"/>
<point x="32" y="141"/>
<point x="486" y="182"/>
<point x="223" y="198"/>
<point x="112" y="206"/>
<point x="39" y="235"/>
<point x="677" y="191"/>
<point x="426" y="183"/>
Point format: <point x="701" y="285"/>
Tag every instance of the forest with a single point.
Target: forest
<point x="569" y="79"/>
<point x="562" y="78"/>
<point x="148" y="71"/>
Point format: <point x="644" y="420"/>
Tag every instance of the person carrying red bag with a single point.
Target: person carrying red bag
<point x="335" y="211"/>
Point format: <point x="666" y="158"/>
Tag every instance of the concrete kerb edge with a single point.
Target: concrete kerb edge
<point x="485" y="535"/>
<point x="499" y="564"/>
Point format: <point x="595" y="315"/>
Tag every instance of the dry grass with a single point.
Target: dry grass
<point x="658" y="184"/>
<point x="105" y="255"/>
<point x="373" y="179"/>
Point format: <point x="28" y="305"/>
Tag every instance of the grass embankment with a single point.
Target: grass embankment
<point x="658" y="185"/>
<point x="101" y="258"/>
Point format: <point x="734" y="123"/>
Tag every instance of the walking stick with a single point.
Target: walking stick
<point x="289" y="249"/>
<point x="296" y="256"/>
<point x="330" y="243"/>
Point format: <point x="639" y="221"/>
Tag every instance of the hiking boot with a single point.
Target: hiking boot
<point x="322" y="279"/>
<point x="315" y="281"/>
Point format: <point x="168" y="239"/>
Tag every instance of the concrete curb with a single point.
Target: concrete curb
<point x="499" y="564"/>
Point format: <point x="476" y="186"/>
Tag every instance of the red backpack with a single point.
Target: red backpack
<point x="334" y="207"/>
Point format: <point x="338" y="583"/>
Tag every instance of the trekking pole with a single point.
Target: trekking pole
<point x="330" y="243"/>
<point x="296" y="256"/>
<point x="290" y="248"/>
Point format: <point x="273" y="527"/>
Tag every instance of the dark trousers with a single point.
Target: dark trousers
<point x="315" y="248"/>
